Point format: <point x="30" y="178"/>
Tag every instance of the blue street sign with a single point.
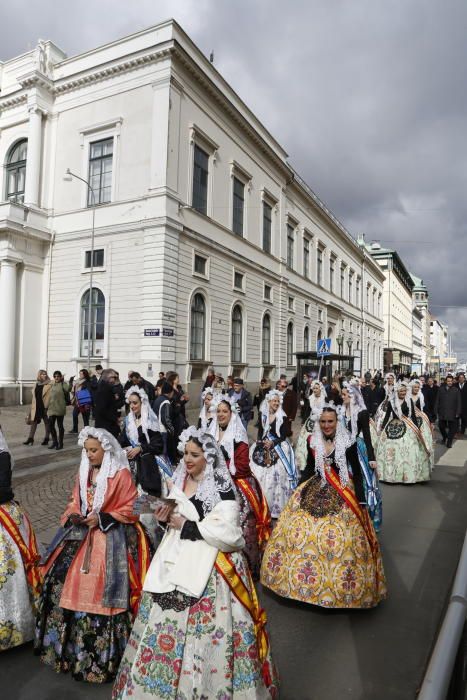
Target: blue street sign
<point x="323" y="347"/>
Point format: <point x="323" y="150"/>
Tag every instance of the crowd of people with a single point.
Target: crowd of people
<point x="150" y="581"/>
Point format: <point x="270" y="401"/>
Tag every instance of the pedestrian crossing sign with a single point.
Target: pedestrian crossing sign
<point x="323" y="347"/>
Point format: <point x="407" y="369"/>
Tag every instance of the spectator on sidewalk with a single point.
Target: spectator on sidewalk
<point x="135" y="379"/>
<point x="242" y="398"/>
<point x="448" y="410"/>
<point x="162" y="407"/>
<point x="81" y="399"/>
<point x="39" y="406"/>
<point x="106" y="408"/>
<point x="430" y="392"/>
<point x="463" y="391"/>
<point x="59" y="397"/>
<point x="210" y="377"/>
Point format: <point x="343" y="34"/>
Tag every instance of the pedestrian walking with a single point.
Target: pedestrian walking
<point x="162" y="408"/>
<point x="242" y="398"/>
<point x="430" y="392"/>
<point x="462" y="386"/>
<point x="106" y="405"/>
<point x="81" y="399"/>
<point x="58" y="400"/>
<point x="39" y="406"/>
<point x="448" y="409"/>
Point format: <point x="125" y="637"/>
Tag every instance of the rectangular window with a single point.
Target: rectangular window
<point x="350" y="287"/>
<point x="306" y="257"/>
<point x="200" y="180"/>
<point x="200" y="265"/>
<point x="100" y="172"/>
<point x="239" y="280"/>
<point x="97" y="258"/>
<point x="267" y="227"/>
<point x="357" y="292"/>
<point x="342" y="281"/>
<point x="290" y="245"/>
<point x="291" y="303"/>
<point x="307" y="310"/>
<point x="267" y="292"/>
<point x="320" y="266"/>
<point x="238" y="206"/>
<point x="332" y="272"/>
<point x="320" y="314"/>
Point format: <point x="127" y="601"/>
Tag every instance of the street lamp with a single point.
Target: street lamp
<point x="340" y="343"/>
<point x="68" y="178"/>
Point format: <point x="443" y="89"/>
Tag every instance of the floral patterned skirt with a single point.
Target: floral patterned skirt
<point x="89" y="646"/>
<point x="322" y="557"/>
<point x="16" y="601"/>
<point x="182" y="649"/>
<point x="400" y="455"/>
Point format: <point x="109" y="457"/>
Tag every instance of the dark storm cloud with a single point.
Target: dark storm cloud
<point x="368" y="98"/>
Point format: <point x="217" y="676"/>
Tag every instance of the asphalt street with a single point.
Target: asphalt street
<point x="378" y="654"/>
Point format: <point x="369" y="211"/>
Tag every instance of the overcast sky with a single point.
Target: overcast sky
<point x="368" y="97"/>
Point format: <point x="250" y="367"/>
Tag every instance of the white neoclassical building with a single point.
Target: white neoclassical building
<point x="208" y="247"/>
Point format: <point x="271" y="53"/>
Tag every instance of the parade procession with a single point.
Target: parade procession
<point x="232" y="430"/>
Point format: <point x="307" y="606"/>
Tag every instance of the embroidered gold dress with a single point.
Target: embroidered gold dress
<point x="324" y="549"/>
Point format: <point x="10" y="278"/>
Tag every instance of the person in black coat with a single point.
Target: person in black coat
<point x="105" y="404"/>
<point x="373" y="397"/>
<point x="461" y="383"/>
<point x="430" y="392"/>
<point x="243" y="399"/>
<point x="448" y="409"/>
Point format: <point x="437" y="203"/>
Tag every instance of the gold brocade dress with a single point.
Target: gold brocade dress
<point x="322" y="552"/>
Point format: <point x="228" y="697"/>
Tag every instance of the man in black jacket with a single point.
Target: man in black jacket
<point x="430" y="392"/>
<point x="105" y="404"/>
<point x="448" y="410"/>
<point x="243" y="399"/>
<point x="463" y="390"/>
<point x="373" y="397"/>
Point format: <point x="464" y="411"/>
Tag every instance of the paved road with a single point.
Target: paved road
<point x="322" y="655"/>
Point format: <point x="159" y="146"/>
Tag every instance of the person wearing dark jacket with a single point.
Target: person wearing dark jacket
<point x="463" y="392"/>
<point x="105" y="404"/>
<point x="430" y="392"/>
<point x="135" y="379"/>
<point x="373" y="397"/>
<point x="448" y="409"/>
<point x="162" y="407"/>
<point x="242" y="398"/>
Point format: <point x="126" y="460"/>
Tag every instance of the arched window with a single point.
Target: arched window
<point x="197" y="327"/>
<point x="16" y="172"/>
<point x="290" y="344"/>
<point x="306" y="339"/>
<point x="94" y="331"/>
<point x="237" y="333"/>
<point x="266" y="340"/>
<point x="320" y="335"/>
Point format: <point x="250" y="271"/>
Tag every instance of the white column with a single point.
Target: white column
<point x="33" y="163"/>
<point x="7" y="320"/>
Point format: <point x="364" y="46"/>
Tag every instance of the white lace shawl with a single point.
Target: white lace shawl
<point x="317" y="403"/>
<point x="396" y="402"/>
<point x="235" y="431"/>
<point x="204" y="415"/>
<point x="389" y="389"/>
<point x="149" y="420"/>
<point x="3" y="442"/>
<point x="416" y="397"/>
<point x="216" y="478"/>
<point x="114" y="459"/>
<point x="343" y="440"/>
<point x="279" y="414"/>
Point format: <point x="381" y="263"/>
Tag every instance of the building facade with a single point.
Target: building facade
<point x="420" y="299"/>
<point x="182" y="237"/>
<point x="396" y="308"/>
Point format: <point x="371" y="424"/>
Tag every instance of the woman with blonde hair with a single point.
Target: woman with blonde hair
<point x="39" y="405"/>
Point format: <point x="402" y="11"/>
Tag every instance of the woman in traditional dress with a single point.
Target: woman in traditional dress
<point x="94" y="568"/>
<point x="389" y="386"/>
<point x="199" y="632"/>
<point x="317" y="401"/>
<point x="207" y="411"/>
<point x="272" y="459"/>
<point x="324" y="550"/>
<point x="255" y="517"/>
<point x="423" y="421"/>
<point x="20" y="578"/>
<point x="356" y="420"/>
<point x="402" y="453"/>
<point x="142" y="441"/>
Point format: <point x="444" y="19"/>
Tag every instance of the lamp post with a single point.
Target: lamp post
<point x="68" y="178"/>
<point x="340" y="343"/>
<point x="349" y="345"/>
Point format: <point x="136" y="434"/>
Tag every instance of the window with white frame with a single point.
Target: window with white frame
<point x="236" y="334"/>
<point x="197" y="327"/>
<point x="267" y="292"/>
<point x="200" y="180"/>
<point x="319" y="271"/>
<point x="92" y="323"/>
<point x="357" y="291"/>
<point x="350" y="286"/>
<point x="100" y="171"/>
<point x="342" y="281"/>
<point x="290" y="339"/>
<point x="332" y="272"/>
<point x="238" y="206"/>
<point x="291" y="303"/>
<point x="307" y="310"/>
<point x="16" y="172"/>
<point x="306" y="339"/>
<point x="306" y="257"/>
<point x="200" y="265"/>
<point x="239" y="281"/>
<point x="266" y="340"/>
<point x="290" y="245"/>
<point x="96" y="256"/>
<point x="267" y="227"/>
<point x="320" y="314"/>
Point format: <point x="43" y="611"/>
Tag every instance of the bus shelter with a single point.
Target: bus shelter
<point x="309" y="362"/>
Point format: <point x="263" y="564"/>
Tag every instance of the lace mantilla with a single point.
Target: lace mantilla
<point x="149" y="419"/>
<point x="342" y="441"/>
<point x="234" y="432"/>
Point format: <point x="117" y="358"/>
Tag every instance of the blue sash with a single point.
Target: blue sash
<point x="374" y="499"/>
<point x="289" y="465"/>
